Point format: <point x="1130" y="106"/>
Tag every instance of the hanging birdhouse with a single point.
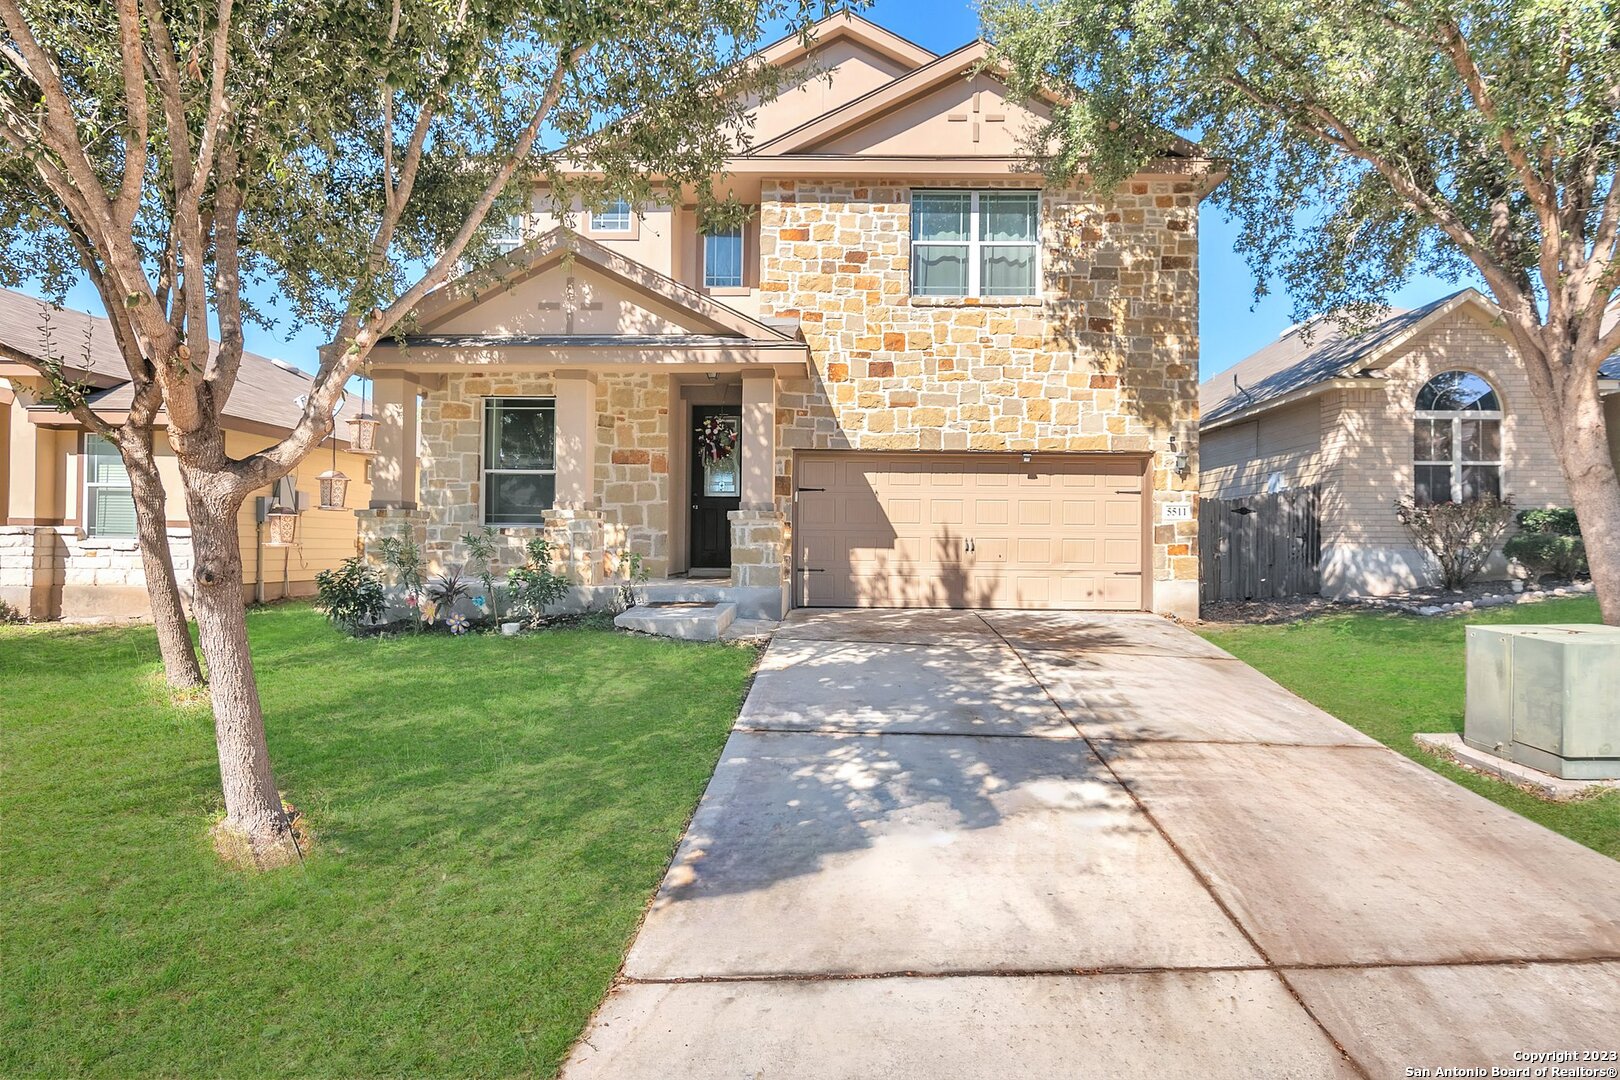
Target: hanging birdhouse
<point x="363" y="434"/>
<point x="334" y="490"/>
<point x="280" y="526"/>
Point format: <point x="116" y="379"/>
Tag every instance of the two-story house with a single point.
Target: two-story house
<point x="918" y="376"/>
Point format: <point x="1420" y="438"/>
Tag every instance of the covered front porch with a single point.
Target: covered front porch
<point x="530" y="410"/>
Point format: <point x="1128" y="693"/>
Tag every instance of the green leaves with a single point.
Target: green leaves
<point x="1363" y="142"/>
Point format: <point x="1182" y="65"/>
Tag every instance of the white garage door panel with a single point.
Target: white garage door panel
<point x="922" y="530"/>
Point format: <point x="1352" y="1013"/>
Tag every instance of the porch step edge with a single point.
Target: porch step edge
<point x="695" y="622"/>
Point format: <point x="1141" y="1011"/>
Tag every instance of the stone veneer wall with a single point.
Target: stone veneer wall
<point x="1104" y="360"/>
<point x="49" y="571"/>
<point x="632" y="472"/>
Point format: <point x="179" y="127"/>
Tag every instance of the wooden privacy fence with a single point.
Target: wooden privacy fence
<point x="1261" y="546"/>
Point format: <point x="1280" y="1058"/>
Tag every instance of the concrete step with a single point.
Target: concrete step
<point x="687" y="621"/>
<point x="696" y="591"/>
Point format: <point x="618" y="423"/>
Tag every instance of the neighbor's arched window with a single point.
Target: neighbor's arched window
<point x="1457" y="443"/>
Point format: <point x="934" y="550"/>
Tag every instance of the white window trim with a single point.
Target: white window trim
<point x="1457" y="416"/>
<point x="974" y="244"/>
<point x="485" y="472"/>
<point x="90" y="487"/>
<point x="615" y="229"/>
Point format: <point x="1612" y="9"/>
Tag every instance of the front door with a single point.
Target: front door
<point x="716" y="483"/>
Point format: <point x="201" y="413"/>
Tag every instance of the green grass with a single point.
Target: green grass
<point x="1392" y="676"/>
<point x="491" y="814"/>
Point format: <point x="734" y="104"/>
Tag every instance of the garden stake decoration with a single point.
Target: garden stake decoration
<point x="458" y="623"/>
<point x="716" y="439"/>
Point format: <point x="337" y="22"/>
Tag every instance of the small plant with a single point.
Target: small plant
<point x="405" y="559"/>
<point x="10" y="614"/>
<point x="1458" y="536"/>
<point x="535" y="585"/>
<point x="447" y="588"/>
<point x="351" y="595"/>
<point x="481" y="554"/>
<point x="1549" y="543"/>
<point x="633" y="569"/>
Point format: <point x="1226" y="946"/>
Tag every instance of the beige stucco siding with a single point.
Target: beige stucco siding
<point x="1276" y="450"/>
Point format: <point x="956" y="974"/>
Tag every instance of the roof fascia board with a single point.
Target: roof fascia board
<point x="791" y="48"/>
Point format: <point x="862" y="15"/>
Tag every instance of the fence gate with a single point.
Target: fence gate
<point x="1261" y="546"/>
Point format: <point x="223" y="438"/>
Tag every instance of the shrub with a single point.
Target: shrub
<point x="481" y="555"/>
<point x="1559" y="521"/>
<point x="351" y="595"/>
<point x="10" y="614"/>
<point x="1458" y="536"/>
<point x="535" y="585"/>
<point x="447" y="588"/>
<point x="1544" y="553"/>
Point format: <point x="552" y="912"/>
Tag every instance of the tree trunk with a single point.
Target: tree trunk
<point x="157" y="562"/>
<point x="1594" y="488"/>
<point x="256" y="830"/>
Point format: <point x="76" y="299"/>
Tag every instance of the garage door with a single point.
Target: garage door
<point x="969" y="531"/>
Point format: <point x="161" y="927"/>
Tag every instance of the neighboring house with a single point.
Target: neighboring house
<point x="949" y="385"/>
<point x="67" y="535"/>
<point x="1431" y="404"/>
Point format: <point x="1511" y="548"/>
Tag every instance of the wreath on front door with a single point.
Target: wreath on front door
<point x="716" y="439"/>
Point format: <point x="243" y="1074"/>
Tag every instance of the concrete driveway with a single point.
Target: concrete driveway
<point x="946" y="844"/>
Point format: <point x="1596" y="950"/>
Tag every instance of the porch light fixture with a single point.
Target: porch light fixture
<point x="1183" y="461"/>
<point x="280" y="526"/>
<point x="363" y="427"/>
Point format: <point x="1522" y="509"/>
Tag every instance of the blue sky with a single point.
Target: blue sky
<point x="1231" y="324"/>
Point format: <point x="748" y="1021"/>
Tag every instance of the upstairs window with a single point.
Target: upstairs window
<point x="109" y="507"/>
<point x="723" y="258"/>
<point x="612" y="218"/>
<point x="1457" y="440"/>
<point x="520" y="459"/>
<point x="510" y="238"/>
<point x="974" y="243"/>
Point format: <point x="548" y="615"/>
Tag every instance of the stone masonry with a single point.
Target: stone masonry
<point x="1104" y="360"/>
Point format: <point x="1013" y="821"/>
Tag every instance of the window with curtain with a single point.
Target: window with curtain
<point x="974" y="243"/>
<point x="723" y="258"/>
<point x="109" y="508"/>
<point x="1457" y="440"/>
<point x="614" y="217"/>
<point x="520" y="459"/>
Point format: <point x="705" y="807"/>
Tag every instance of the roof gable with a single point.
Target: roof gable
<point x="1297" y="360"/>
<point x="971" y="115"/>
<point x="562" y="283"/>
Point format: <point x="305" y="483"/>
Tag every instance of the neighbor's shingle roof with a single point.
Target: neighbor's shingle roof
<point x="1292" y="363"/>
<point x="266" y="392"/>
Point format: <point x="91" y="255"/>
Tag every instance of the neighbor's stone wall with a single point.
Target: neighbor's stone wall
<point x="632" y="474"/>
<point x="1105" y="359"/>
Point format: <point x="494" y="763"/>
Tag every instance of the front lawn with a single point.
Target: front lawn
<point x="492" y="815"/>
<point x="1392" y="676"/>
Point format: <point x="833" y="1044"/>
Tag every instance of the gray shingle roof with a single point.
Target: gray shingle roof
<point x="266" y="390"/>
<point x="1293" y="363"/>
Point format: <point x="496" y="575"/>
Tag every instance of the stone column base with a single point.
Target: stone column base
<point x="578" y="540"/>
<point x="759" y="554"/>
<point x="377" y="523"/>
<point x="30" y="570"/>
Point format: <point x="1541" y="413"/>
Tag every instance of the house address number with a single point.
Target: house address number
<point x="1177" y="511"/>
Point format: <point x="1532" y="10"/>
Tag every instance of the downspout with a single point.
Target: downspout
<point x="258" y="559"/>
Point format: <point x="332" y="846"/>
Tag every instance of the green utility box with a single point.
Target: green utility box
<point x="1547" y="697"/>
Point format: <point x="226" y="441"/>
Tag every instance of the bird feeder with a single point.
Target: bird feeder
<point x="280" y="526"/>
<point x="363" y="434"/>
<point x="334" y="490"/>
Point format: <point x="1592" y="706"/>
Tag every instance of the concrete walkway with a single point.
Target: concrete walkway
<point x="945" y="844"/>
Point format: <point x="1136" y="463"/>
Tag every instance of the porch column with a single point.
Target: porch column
<point x="576" y="440"/>
<point x="393" y="474"/>
<point x="758" y="488"/>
